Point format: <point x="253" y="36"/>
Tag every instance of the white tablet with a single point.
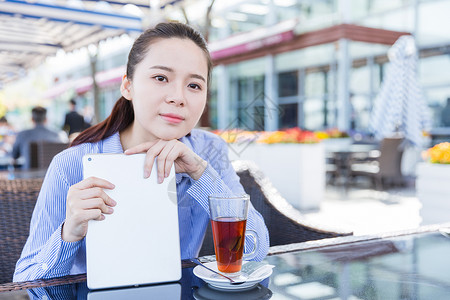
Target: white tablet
<point x="163" y="291"/>
<point x="139" y="243"/>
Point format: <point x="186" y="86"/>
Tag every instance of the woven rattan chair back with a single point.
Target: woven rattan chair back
<point x="17" y="200"/>
<point x="42" y="152"/>
<point x="284" y="223"/>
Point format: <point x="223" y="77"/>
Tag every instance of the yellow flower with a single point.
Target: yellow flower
<point x="439" y="154"/>
<point x="321" y="135"/>
<point x="271" y="137"/>
<point x="291" y="135"/>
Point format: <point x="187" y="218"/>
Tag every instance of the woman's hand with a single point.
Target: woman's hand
<point x="169" y="153"/>
<point x="86" y="201"/>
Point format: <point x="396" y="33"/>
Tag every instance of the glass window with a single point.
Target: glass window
<point x="312" y="15"/>
<point x="315" y="84"/>
<point x="289" y="116"/>
<point x="434" y="77"/>
<point x="243" y="90"/>
<point x="288" y="84"/>
<point x="401" y="19"/>
<point x="437" y="100"/>
<point x="212" y="102"/>
<point x="249" y="68"/>
<point x="433" y="23"/>
<point x="330" y="108"/>
<point x="360" y="111"/>
<point x="361" y="98"/>
<point x="362" y="8"/>
<point x="363" y="50"/>
<point x="360" y="80"/>
<point x="311" y="56"/>
<point x="330" y="114"/>
<point x="250" y="103"/>
<point x="243" y="16"/>
<point x="434" y="70"/>
<point x="313" y="113"/>
<point x="376" y="72"/>
<point x="314" y="106"/>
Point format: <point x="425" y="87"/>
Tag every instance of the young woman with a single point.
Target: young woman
<point x="163" y="96"/>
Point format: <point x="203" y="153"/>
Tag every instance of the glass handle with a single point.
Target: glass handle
<point x="252" y="254"/>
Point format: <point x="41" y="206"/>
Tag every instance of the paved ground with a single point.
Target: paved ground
<point x="366" y="211"/>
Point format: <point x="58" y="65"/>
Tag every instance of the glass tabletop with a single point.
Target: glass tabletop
<point x="403" y="267"/>
<point x="398" y="268"/>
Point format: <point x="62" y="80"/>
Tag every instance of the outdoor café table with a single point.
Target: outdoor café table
<point x="411" y="264"/>
<point x="343" y="156"/>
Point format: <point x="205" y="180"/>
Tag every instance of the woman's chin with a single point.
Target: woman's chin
<point x="167" y="136"/>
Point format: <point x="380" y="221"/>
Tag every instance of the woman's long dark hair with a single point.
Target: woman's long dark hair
<point x="122" y="114"/>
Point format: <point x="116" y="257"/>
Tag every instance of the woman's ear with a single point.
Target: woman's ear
<point x="125" y="88"/>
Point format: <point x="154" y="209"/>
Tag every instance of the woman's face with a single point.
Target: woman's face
<point x="168" y="89"/>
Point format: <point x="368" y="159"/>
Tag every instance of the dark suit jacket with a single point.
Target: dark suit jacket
<point x="74" y="122"/>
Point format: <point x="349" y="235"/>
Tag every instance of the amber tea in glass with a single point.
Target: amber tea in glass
<point x="228" y="221"/>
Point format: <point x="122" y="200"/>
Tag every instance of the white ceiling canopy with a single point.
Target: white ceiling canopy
<point x="32" y="30"/>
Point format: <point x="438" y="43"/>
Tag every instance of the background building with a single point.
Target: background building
<point x="282" y="63"/>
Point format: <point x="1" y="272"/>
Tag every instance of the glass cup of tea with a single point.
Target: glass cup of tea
<point x="228" y="221"/>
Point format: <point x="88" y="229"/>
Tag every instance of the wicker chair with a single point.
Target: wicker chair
<point x="387" y="166"/>
<point x="42" y="152"/>
<point x="17" y="201"/>
<point x="285" y="224"/>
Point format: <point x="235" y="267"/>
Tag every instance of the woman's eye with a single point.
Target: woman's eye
<point x="194" y="86"/>
<point x="160" y="78"/>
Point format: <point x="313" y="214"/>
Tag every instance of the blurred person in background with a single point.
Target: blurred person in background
<point x="445" y="114"/>
<point x="74" y="123"/>
<point x="7" y="137"/>
<point x="21" y="146"/>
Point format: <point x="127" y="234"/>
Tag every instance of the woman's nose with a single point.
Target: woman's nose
<point x="177" y="97"/>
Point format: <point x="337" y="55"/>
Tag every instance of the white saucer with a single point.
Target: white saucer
<point x="216" y="281"/>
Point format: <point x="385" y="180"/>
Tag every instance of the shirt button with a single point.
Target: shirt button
<point x="44" y="267"/>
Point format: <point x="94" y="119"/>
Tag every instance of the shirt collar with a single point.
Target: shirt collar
<point x="112" y="144"/>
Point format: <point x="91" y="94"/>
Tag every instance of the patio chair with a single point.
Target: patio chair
<point x="331" y="168"/>
<point x="285" y="224"/>
<point x="42" y="153"/>
<point x="17" y="200"/>
<point x="385" y="166"/>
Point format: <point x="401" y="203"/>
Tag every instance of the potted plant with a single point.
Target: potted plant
<point x="433" y="184"/>
<point x="293" y="160"/>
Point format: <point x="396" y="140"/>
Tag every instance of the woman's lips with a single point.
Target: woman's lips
<point x="172" y="118"/>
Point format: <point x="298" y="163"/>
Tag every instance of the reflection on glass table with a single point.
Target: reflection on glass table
<point x="412" y="264"/>
<point x="190" y="287"/>
<point x="406" y="267"/>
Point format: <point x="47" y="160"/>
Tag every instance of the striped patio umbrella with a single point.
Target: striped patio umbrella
<point x="400" y="106"/>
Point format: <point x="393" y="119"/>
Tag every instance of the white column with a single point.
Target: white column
<point x="301" y="98"/>
<point x="223" y="96"/>
<point x="416" y="19"/>
<point x="271" y="110"/>
<point x="343" y="87"/>
<point x="343" y="70"/>
<point x="371" y="66"/>
<point x="332" y="96"/>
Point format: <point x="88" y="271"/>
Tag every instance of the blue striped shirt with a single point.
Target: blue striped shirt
<point x="46" y="255"/>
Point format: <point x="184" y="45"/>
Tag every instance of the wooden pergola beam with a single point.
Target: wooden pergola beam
<point x="319" y="37"/>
